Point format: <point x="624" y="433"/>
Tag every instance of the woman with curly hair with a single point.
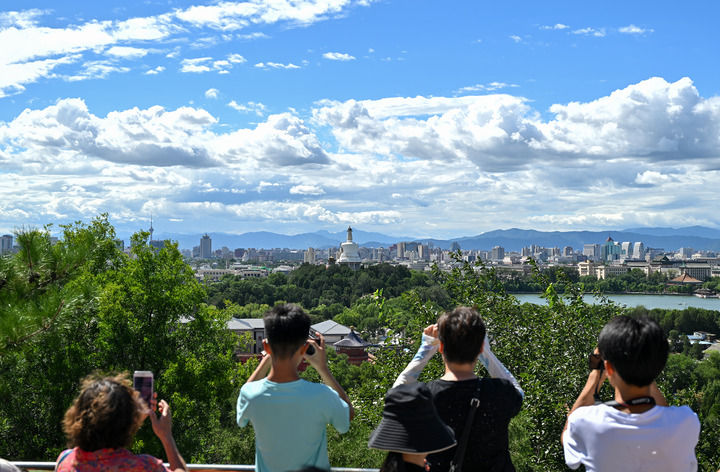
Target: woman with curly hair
<point x="101" y="424"/>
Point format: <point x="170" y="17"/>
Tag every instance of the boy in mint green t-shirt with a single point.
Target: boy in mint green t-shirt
<point x="290" y="414"/>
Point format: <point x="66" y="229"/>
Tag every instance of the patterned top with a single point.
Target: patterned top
<point x="115" y="460"/>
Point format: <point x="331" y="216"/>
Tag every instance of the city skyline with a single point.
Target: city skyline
<point x="434" y="120"/>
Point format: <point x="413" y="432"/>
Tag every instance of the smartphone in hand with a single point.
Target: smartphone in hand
<point x="143" y="383"/>
<point x="311" y="349"/>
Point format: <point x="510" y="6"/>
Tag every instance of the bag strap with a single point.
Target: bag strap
<point x="62" y="458"/>
<point x="456" y="464"/>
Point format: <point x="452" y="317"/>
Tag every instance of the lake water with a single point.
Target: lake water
<point x="676" y="302"/>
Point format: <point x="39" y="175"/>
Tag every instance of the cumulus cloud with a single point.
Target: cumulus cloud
<point x="653" y="120"/>
<point x="276" y="65"/>
<point x="596" y="32"/>
<point x="96" y="70"/>
<point x="236" y="58"/>
<point x="155" y="70"/>
<point x="281" y="140"/>
<point x="38" y="50"/>
<point x="556" y="26"/>
<point x="307" y="190"/>
<point x="632" y="29"/>
<point x="491" y="87"/>
<point x="68" y="130"/>
<point x="195" y="65"/>
<point x="515" y="38"/>
<point x="250" y="107"/>
<point x="126" y="52"/>
<point x="651" y="177"/>
<point x="400" y="160"/>
<point x="338" y="56"/>
<point x="212" y="93"/>
<point x="231" y="16"/>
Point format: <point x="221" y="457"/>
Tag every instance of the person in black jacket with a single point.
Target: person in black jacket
<point x="460" y="337"/>
<point x="410" y="429"/>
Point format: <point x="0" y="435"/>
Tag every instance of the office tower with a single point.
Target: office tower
<point x="6" y="243"/>
<point x="205" y="247"/>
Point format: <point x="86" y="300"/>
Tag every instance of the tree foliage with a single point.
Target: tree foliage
<point x="146" y="311"/>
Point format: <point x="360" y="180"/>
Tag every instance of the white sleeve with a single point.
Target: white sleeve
<point x="428" y="348"/>
<point x="496" y="368"/>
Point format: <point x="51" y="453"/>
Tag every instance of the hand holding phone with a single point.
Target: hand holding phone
<point x="311" y="349"/>
<point x="143" y="382"/>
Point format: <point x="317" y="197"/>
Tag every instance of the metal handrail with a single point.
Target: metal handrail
<point x="194" y="467"/>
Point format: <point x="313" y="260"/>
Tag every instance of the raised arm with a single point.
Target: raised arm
<point x="162" y="426"/>
<point x="428" y="347"/>
<point x="587" y="395"/>
<point x="262" y="370"/>
<point x="495" y="368"/>
<point x="319" y="362"/>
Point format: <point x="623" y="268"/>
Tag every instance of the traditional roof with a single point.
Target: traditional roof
<point x="685" y="279"/>
<point x="351" y="340"/>
<point x="245" y="324"/>
<point x="331" y="327"/>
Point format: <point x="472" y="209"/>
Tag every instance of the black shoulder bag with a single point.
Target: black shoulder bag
<point x="457" y="462"/>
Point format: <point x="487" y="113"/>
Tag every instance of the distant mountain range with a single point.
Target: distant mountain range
<point x="696" y="237"/>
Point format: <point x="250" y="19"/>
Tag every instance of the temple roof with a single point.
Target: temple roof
<point x="351" y="340"/>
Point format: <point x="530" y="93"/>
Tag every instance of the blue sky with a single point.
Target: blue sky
<point x="436" y="119"/>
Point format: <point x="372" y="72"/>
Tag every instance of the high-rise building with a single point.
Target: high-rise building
<point x="626" y="250"/>
<point x="424" y="252"/>
<point x="567" y="251"/>
<point x="638" y="250"/>
<point x="401" y="250"/>
<point x="592" y="251"/>
<point x="6" y="243"/>
<point x="685" y="252"/>
<point x="497" y="253"/>
<point x="309" y="256"/>
<point x="205" y="247"/>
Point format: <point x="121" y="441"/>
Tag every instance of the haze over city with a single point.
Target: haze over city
<point x="407" y="118"/>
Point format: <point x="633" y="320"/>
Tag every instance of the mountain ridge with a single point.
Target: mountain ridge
<point x="513" y="239"/>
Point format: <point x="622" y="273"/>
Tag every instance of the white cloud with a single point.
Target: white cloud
<point x="515" y="38"/>
<point x="556" y="26"/>
<point x="236" y="58"/>
<point x="15" y="75"/>
<point x="632" y="29"/>
<point x="598" y="33"/>
<point x="212" y="93"/>
<point x="20" y="19"/>
<point x="491" y="87"/>
<point x="155" y="70"/>
<point x="96" y="70"/>
<point x="307" y="190"/>
<point x="276" y="65"/>
<point x="38" y="50"/>
<point x="255" y="35"/>
<point x="195" y="65"/>
<point x="635" y="147"/>
<point x="231" y="16"/>
<point x="653" y="121"/>
<point x="126" y="52"/>
<point x="251" y="107"/>
<point x="651" y="177"/>
<point x="338" y="56"/>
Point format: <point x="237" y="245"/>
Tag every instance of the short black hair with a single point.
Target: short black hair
<point x="636" y="347"/>
<point x="286" y="328"/>
<point x="462" y="333"/>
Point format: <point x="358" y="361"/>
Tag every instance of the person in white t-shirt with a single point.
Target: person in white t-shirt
<point x="637" y="431"/>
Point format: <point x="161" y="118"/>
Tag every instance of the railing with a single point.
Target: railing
<point x="194" y="467"/>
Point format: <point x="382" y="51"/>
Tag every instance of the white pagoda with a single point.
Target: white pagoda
<point x="349" y="252"/>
